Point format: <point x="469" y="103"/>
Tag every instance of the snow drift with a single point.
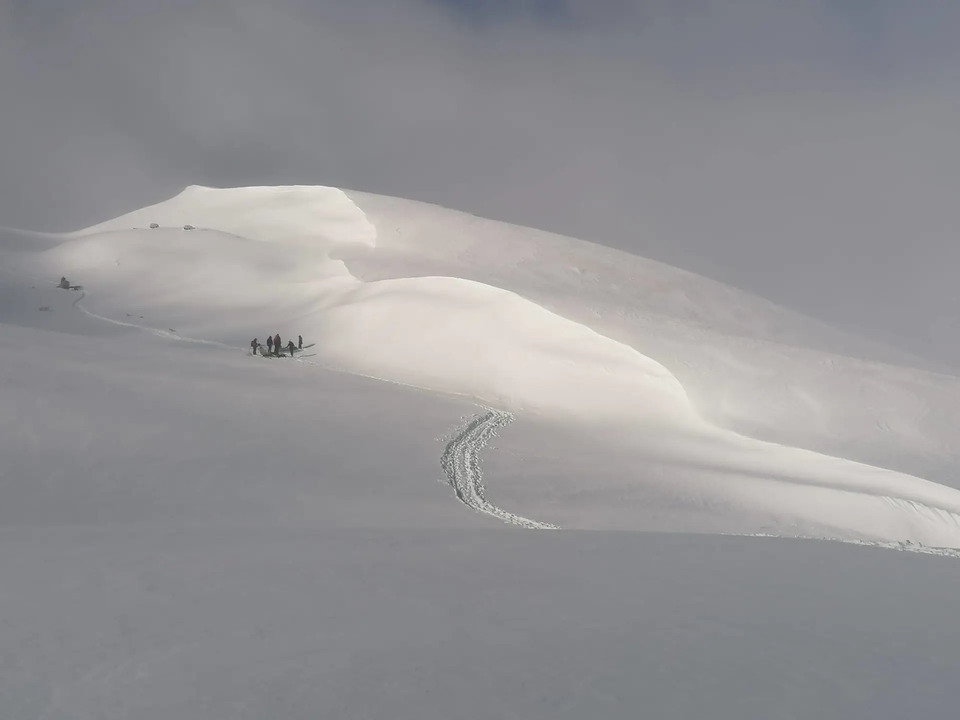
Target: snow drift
<point x="731" y="414"/>
<point x="187" y="530"/>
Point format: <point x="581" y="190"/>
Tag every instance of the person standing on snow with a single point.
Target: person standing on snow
<point x="276" y="344"/>
<point x="299" y="342"/>
<point x="254" y="344"/>
<point x="269" y="344"/>
<point x="290" y="347"/>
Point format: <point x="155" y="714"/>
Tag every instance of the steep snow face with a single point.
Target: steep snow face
<point x="259" y="255"/>
<point x="190" y="531"/>
<point x="552" y="329"/>
<point x="467" y="338"/>
<point x="608" y="284"/>
<point x="746" y="364"/>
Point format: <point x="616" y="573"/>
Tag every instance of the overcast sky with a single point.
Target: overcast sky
<point x="806" y="150"/>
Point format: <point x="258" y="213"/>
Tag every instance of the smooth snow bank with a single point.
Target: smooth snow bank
<point x="188" y="532"/>
<point x="603" y="286"/>
<point x="322" y="216"/>
<point x="463" y="337"/>
<point x="746" y="364"/>
<point x="519" y="325"/>
<point x="447" y="334"/>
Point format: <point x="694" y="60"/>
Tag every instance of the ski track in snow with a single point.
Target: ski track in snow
<point x="461" y="456"/>
<point x="460" y="459"/>
<point x="461" y="463"/>
<point x="169" y="334"/>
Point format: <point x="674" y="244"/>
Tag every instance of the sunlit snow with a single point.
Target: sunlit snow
<point x="191" y="530"/>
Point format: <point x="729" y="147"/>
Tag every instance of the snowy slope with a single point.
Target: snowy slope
<point x="746" y="363"/>
<point x="559" y="330"/>
<point x="189" y="531"/>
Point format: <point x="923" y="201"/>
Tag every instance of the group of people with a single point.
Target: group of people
<point x="274" y="345"/>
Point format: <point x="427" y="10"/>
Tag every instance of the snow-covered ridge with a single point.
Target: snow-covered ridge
<point x="711" y="398"/>
<point x="279" y="252"/>
<point x="322" y="216"/>
<point x="746" y="363"/>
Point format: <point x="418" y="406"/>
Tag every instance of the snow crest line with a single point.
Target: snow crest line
<point x="461" y="463"/>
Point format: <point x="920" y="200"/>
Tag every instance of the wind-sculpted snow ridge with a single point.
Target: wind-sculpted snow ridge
<point x="320" y="217"/>
<point x="555" y="330"/>
<point x="461" y="463"/>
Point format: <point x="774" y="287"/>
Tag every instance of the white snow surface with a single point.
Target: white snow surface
<point x="520" y="320"/>
<point x="187" y="530"/>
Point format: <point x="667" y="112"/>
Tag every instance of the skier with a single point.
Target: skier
<point x="290" y="348"/>
<point x="299" y="342"/>
<point x="276" y="344"/>
<point x="269" y="344"/>
<point x="64" y="283"/>
<point x="254" y="344"/>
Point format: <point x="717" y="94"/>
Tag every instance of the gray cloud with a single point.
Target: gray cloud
<point x="805" y="151"/>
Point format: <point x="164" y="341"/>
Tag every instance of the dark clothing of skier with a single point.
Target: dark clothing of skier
<point x="276" y="344"/>
<point x="253" y="346"/>
<point x="269" y="344"/>
<point x="299" y="342"/>
<point x="290" y="347"/>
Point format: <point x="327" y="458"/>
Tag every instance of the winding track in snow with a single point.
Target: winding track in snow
<point x="461" y="456"/>
<point x="461" y="463"/>
<point x="169" y="333"/>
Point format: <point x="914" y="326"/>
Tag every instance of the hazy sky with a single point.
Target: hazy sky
<point x="807" y="151"/>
